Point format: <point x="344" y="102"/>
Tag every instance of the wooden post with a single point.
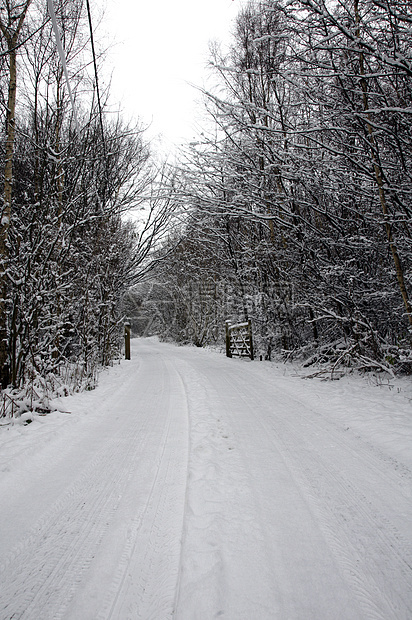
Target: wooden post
<point x="127" y="340"/>
<point x="228" y="351"/>
<point x="249" y="327"/>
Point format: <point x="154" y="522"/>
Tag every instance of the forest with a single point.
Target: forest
<point x="292" y="208"/>
<point x="72" y="170"/>
<point x="297" y="197"/>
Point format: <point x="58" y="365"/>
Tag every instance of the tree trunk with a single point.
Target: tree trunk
<point x="5" y="217"/>
<point x="11" y="37"/>
<point x="379" y="179"/>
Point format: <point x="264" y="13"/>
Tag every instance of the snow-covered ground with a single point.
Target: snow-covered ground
<point x="194" y="487"/>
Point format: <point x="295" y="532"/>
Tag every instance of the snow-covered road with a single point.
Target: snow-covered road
<point x="194" y="487"/>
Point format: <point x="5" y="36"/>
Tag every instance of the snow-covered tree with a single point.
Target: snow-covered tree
<point x="304" y="180"/>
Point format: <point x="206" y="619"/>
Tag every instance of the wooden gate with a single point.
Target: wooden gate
<point x="239" y="341"/>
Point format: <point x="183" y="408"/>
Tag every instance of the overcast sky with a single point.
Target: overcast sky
<point x="161" y="46"/>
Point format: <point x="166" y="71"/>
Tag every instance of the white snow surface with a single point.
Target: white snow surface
<point x="191" y="486"/>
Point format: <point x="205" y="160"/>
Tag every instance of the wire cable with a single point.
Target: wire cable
<point x="96" y="77"/>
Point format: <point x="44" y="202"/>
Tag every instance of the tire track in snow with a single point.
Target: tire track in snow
<point x="375" y="557"/>
<point x="154" y="544"/>
<point x="42" y="576"/>
<point x="39" y="581"/>
<point x="186" y="495"/>
<point x="224" y="564"/>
